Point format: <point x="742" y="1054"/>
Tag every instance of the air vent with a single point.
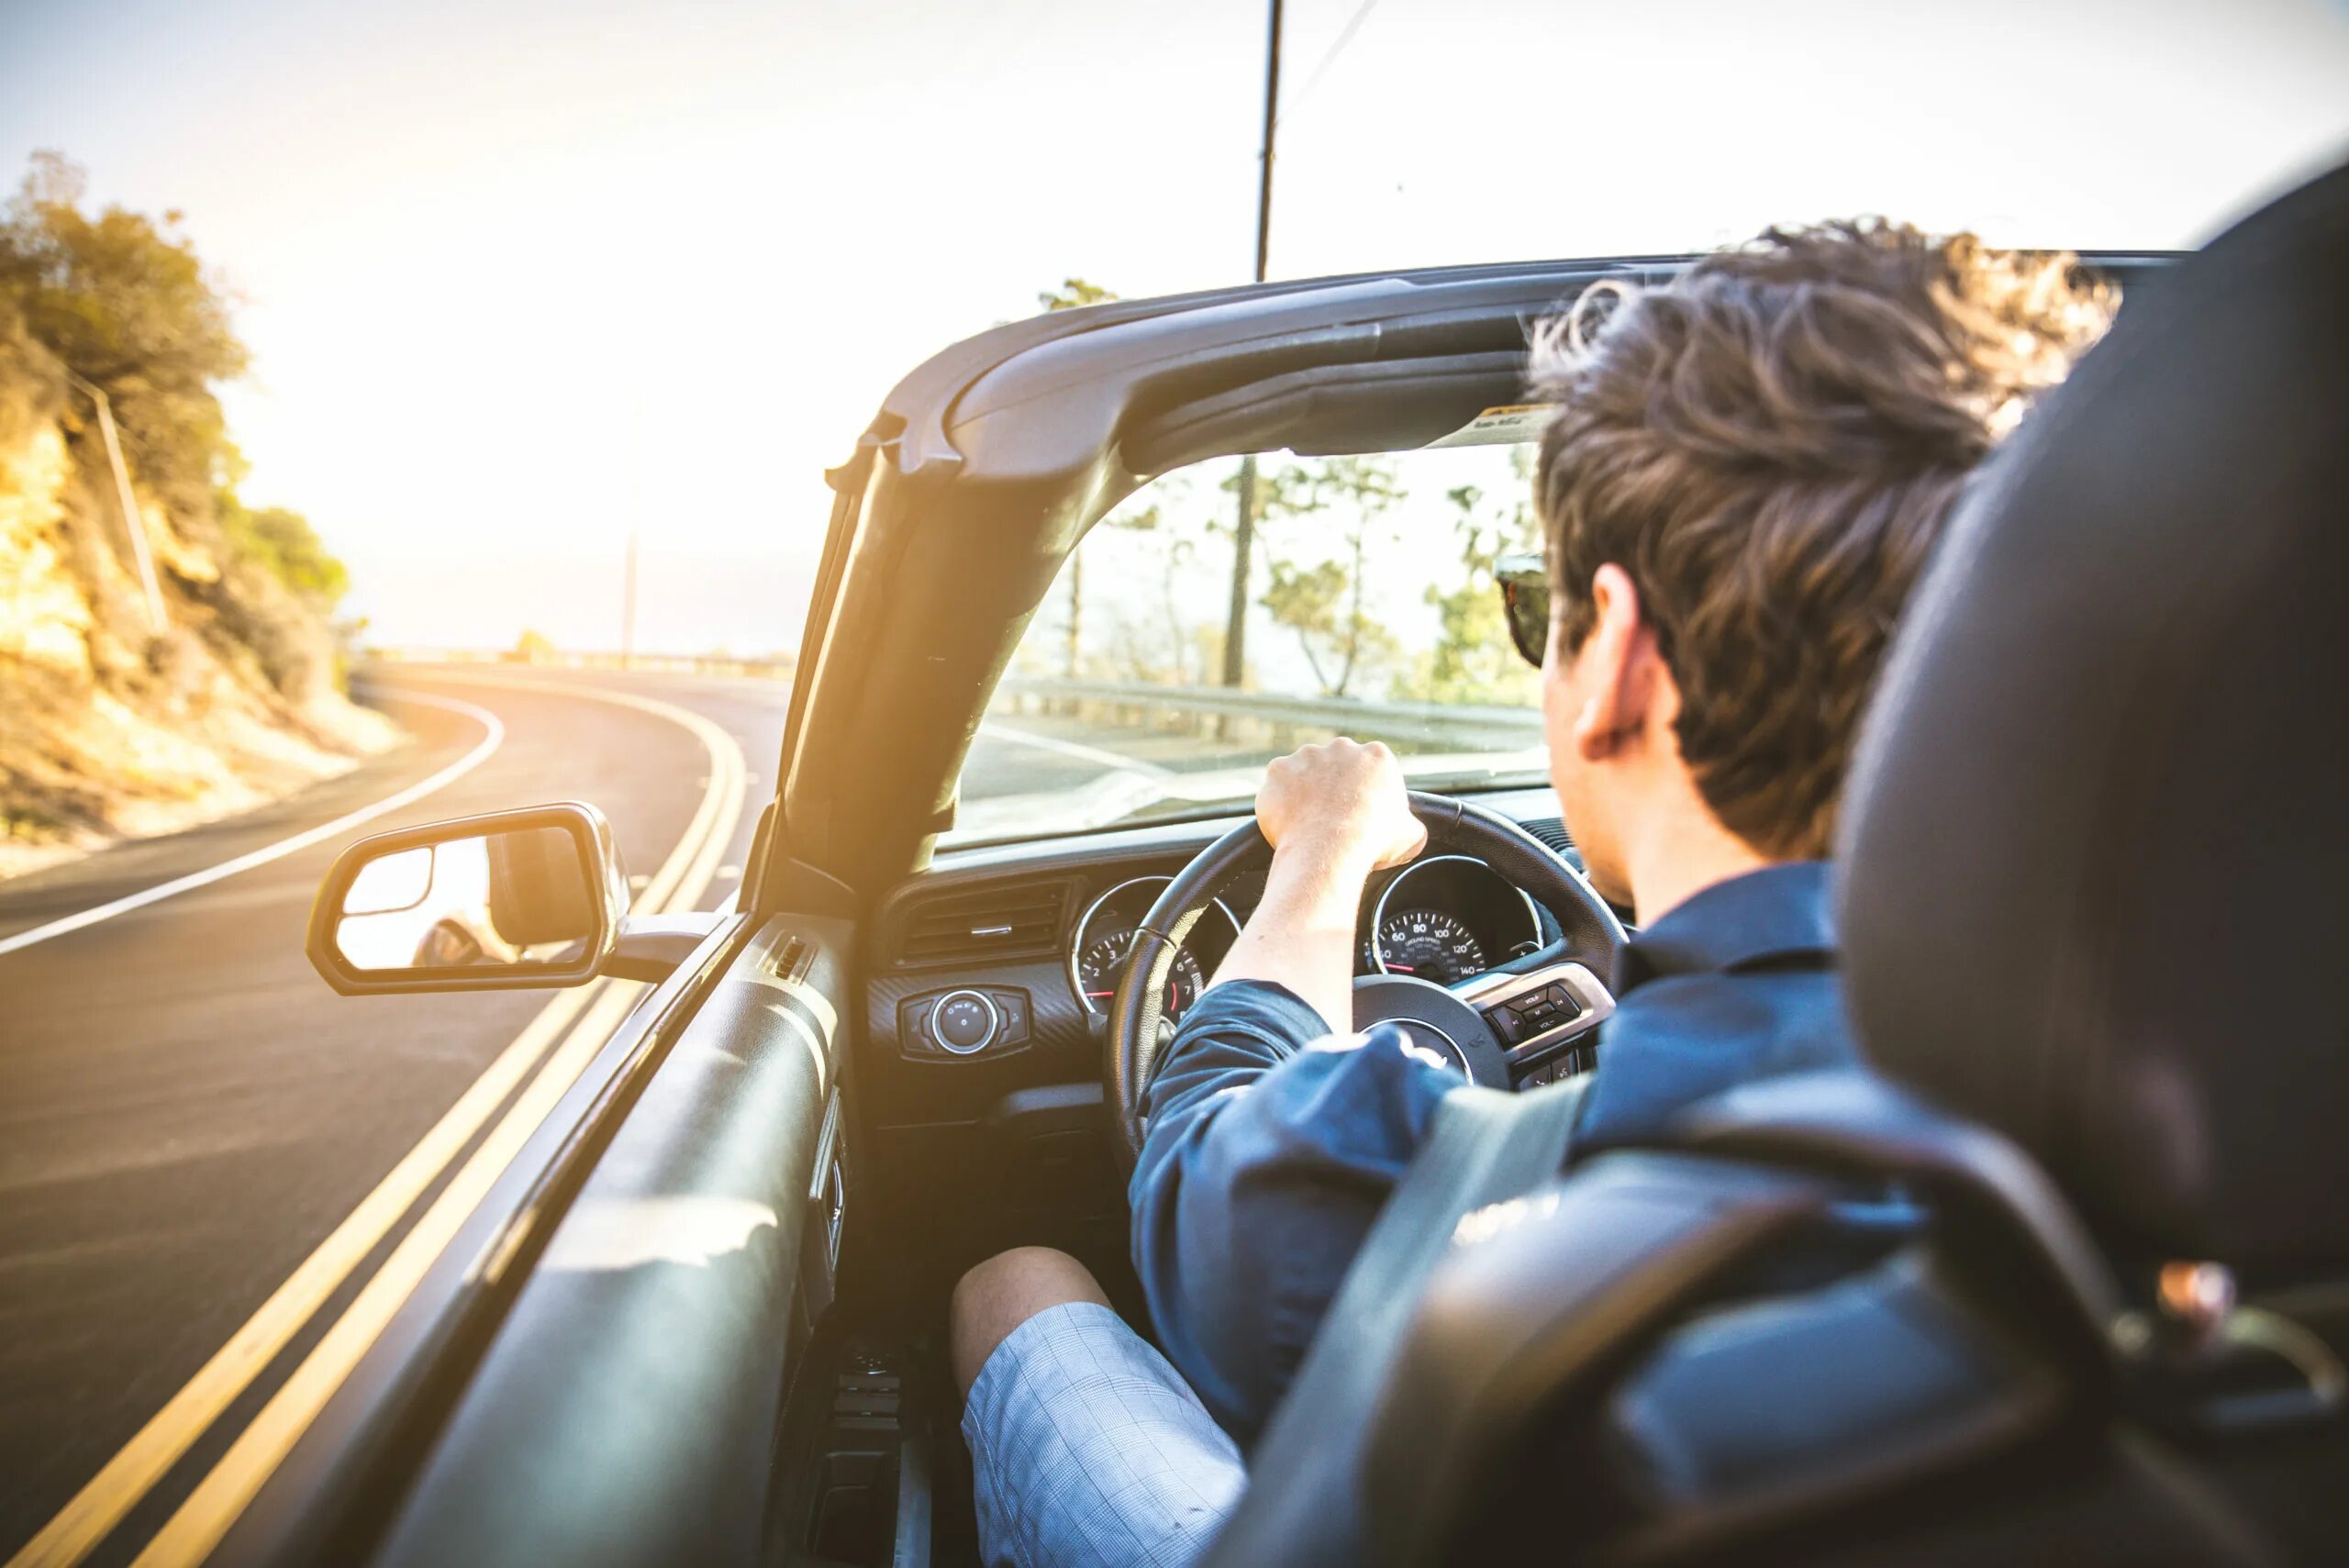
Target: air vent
<point x="985" y="923"/>
<point x="1552" y="832"/>
<point x="791" y="959"/>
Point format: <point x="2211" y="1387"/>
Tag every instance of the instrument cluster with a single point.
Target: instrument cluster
<point x="1444" y="919"/>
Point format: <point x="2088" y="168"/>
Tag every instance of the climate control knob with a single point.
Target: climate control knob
<point x="965" y="1022"/>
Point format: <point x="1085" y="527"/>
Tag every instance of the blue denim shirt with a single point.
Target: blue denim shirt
<point x="1271" y="1144"/>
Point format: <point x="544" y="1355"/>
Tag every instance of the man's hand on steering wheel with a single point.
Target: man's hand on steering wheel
<point x="1333" y="813"/>
<point x="1338" y="812"/>
<point x="1343" y="799"/>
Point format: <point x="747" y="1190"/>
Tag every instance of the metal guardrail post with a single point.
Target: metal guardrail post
<point x="134" y="522"/>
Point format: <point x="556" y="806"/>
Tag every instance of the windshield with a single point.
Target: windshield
<point x="1369" y="610"/>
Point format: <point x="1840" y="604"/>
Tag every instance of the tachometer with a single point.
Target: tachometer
<point x="1430" y="945"/>
<point x="1105" y="936"/>
<point x="1103" y="964"/>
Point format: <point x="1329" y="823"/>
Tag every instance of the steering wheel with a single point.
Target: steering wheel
<point x="1526" y="1010"/>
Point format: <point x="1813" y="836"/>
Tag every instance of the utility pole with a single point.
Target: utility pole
<point x="635" y="525"/>
<point x="1244" y="533"/>
<point x="133" y="524"/>
<point x="628" y="603"/>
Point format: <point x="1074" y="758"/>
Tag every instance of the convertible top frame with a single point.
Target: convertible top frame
<point x="986" y="466"/>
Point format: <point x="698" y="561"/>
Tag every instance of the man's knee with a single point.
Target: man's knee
<point x="1004" y="1291"/>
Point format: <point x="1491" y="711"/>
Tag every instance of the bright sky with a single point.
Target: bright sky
<point x="513" y="270"/>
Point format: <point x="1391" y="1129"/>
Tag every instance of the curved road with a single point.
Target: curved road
<point x="206" y="1155"/>
<point x="187" y="1113"/>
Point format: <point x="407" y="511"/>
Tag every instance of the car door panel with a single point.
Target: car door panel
<point x="622" y="1406"/>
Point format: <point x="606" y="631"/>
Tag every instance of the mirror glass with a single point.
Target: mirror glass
<point x="493" y="900"/>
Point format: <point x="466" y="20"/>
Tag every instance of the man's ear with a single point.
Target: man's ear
<point x="1618" y="667"/>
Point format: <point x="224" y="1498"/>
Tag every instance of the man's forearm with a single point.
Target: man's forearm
<point x="1302" y="934"/>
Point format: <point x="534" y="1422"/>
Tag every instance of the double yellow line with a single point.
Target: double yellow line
<point x="213" y="1507"/>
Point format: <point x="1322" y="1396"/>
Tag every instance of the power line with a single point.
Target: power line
<point x="1345" y="35"/>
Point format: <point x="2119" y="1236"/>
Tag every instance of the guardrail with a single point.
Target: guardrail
<point x="1465" y="727"/>
<point x="776" y="667"/>
<point x="1448" y="725"/>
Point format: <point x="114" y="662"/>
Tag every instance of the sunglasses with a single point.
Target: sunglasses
<point x="1525" y="596"/>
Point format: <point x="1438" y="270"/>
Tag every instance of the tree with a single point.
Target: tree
<point x="125" y="304"/>
<point x="282" y="543"/>
<point x="1074" y="294"/>
<point x="1323" y="603"/>
<point x="1473" y="659"/>
<point x="1179" y="551"/>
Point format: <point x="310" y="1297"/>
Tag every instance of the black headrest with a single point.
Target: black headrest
<point x="2096" y="841"/>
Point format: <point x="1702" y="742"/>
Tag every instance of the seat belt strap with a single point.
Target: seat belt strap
<point x="1484" y="1146"/>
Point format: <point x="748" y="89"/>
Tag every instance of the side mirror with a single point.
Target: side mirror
<point x="506" y="900"/>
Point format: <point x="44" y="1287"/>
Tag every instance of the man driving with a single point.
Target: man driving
<point x="1748" y="468"/>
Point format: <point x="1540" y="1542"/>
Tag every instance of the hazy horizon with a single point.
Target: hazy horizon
<point x="517" y="274"/>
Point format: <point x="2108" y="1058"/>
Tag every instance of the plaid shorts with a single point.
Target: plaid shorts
<point x="1087" y="1448"/>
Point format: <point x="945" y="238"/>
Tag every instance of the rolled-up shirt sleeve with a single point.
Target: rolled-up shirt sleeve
<point x="1269" y="1147"/>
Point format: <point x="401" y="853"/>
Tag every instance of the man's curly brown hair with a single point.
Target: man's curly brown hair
<point x="1768" y="445"/>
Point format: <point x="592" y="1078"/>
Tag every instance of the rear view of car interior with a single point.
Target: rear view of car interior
<point x="2091" y="879"/>
<point x="2092" y="863"/>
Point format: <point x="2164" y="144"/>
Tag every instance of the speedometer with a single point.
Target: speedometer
<point x="1430" y="945"/>
<point x="1103" y="964"/>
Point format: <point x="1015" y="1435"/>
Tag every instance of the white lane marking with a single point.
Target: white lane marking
<point x="490" y="742"/>
<point x="126" y="1478"/>
<point x="1071" y="749"/>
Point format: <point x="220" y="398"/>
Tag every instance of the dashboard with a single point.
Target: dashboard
<point x="992" y="972"/>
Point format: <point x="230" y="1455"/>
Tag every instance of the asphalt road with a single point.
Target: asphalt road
<point x="192" y="1128"/>
<point x="186" y="1111"/>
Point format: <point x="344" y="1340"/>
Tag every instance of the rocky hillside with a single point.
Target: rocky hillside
<point x="115" y="721"/>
